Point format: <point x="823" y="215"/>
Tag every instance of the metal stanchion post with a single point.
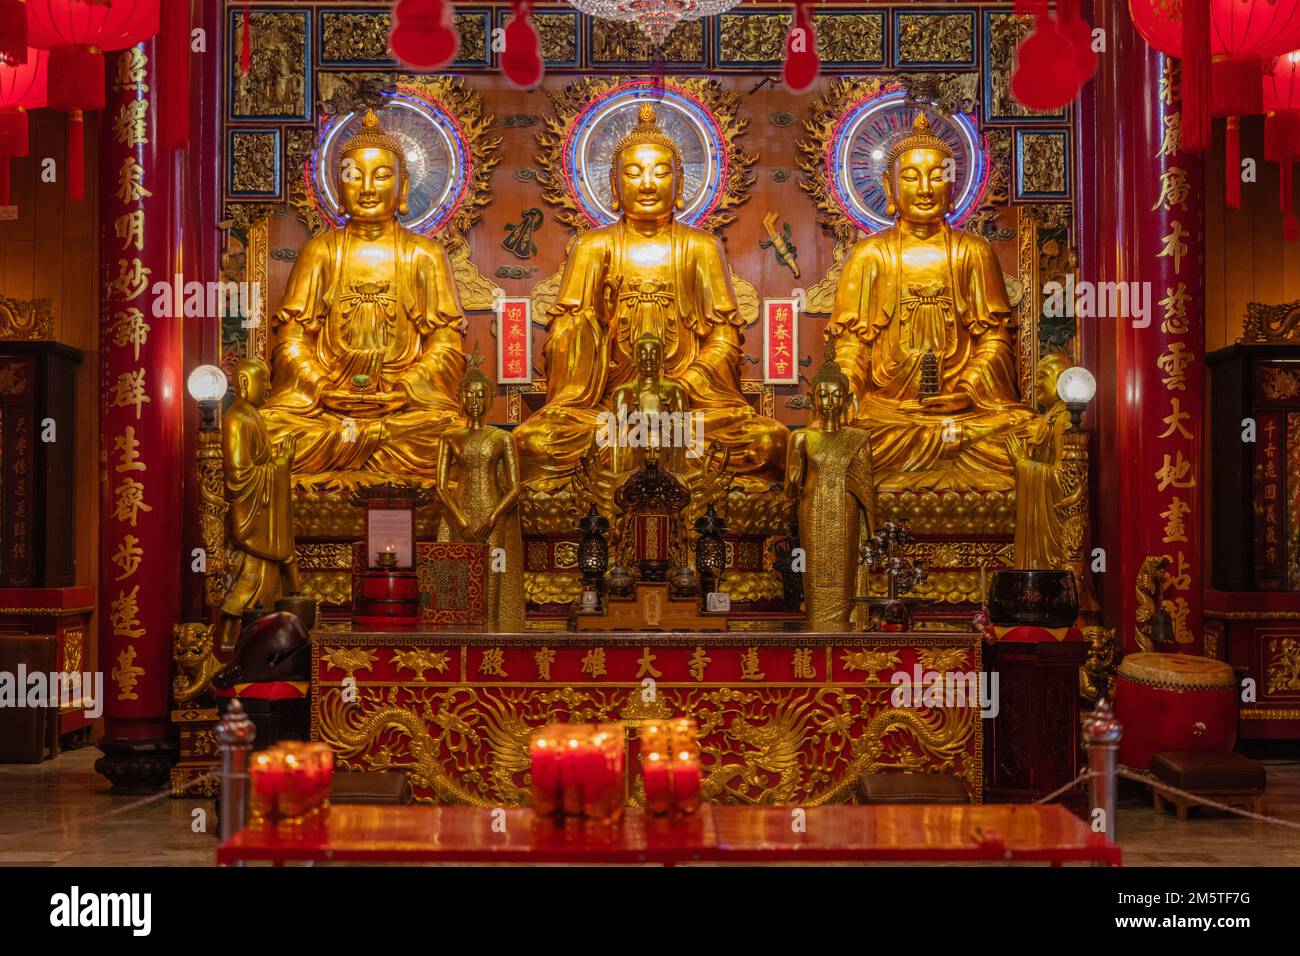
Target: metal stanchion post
<point x="1101" y="735"/>
<point x="235" y="734"/>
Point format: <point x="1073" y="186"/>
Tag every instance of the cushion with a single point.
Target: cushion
<point x="1209" y="771"/>
<point x="913" y="788"/>
<point x="371" y="788"/>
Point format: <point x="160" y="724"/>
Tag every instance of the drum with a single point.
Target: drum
<point x="1174" y="702"/>
<point x="388" y="596"/>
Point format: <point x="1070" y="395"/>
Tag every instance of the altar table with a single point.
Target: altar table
<point x="717" y="834"/>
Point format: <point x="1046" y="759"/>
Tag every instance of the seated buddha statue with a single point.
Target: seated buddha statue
<point x="922" y="286"/>
<point x="645" y="273"/>
<point x="368" y="356"/>
<point x="646" y="411"/>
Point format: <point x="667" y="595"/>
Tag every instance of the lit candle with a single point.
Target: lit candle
<point x="686" y="782"/>
<point x="658" y="783"/>
<point x="572" y="774"/>
<point x="546" y="774"/>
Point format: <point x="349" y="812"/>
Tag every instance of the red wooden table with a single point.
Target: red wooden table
<point x="740" y="834"/>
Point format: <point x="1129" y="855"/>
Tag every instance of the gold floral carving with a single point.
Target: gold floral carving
<point x="945" y="93"/>
<point x="1280" y="384"/>
<point x="1097" y="675"/>
<point x="419" y="660"/>
<point x="1264" y="323"/>
<point x="276" y="81"/>
<point x="985" y="220"/>
<point x="473" y="37"/>
<point x="26" y="319"/>
<point x="570" y="101"/>
<point x="841" y="38"/>
<point x="74" y="648"/>
<point x="1042" y="163"/>
<point x="325" y="556"/>
<point x="869" y="662"/>
<point x="212" y="516"/>
<point x="13" y="378"/>
<point x="557" y="34"/>
<point x="254" y="162"/>
<point x="614" y="43"/>
<point x="349" y="659"/>
<point x="936" y="38"/>
<point x="1283" y="669"/>
<point x="1005" y="31"/>
<point x="352" y="37"/>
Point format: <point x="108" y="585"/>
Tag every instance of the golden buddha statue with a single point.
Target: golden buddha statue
<point x="921" y="286"/>
<point x="1044" y="491"/>
<point x="650" y="416"/>
<point x="369" y="333"/>
<point x="828" y="474"/>
<point x="260" y="500"/>
<point x="645" y="273"/>
<point x="482" y="507"/>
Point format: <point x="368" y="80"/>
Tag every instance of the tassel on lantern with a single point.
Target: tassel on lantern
<point x="76" y="156"/>
<point x="246" y="40"/>
<point x="521" y="60"/>
<point x="13" y="143"/>
<point x="1232" y="162"/>
<point x="13" y="32"/>
<point x="424" y="35"/>
<point x="174" y="72"/>
<point x="1196" y="75"/>
<point x="802" y="64"/>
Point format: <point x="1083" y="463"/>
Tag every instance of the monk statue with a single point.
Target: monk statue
<point x="369" y="334"/>
<point x="1044" y="489"/>
<point x="481" y="505"/>
<point x="645" y="273"/>
<point x="260" y="503"/>
<point x="921" y="286"/>
<point x="828" y="474"/>
<point x="650" y="416"/>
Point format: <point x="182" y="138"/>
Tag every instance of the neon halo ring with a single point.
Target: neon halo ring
<point x="958" y="129"/>
<point x="426" y="129"/>
<point x="705" y="161"/>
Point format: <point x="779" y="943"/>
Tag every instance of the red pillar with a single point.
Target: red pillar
<point x="141" y="395"/>
<point x="1146" y="226"/>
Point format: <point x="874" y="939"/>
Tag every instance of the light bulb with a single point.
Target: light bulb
<point x="1076" y="385"/>
<point x="207" y="383"/>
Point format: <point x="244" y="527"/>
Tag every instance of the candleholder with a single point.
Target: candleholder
<point x="386" y="560"/>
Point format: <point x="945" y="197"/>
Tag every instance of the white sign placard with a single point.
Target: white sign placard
<point x="391" y="528"/>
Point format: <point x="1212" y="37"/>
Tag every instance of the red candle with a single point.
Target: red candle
<point x="686" y="782"/>
<point x="573" y="773"/>
<point x="546" y="773"/>
<point x="658" y="783"/>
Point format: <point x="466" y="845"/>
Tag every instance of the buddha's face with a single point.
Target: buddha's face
<point x="649" y="357"/>
<point x="1045" y="384"/>
<point x="918" y="188"/>
<point x="370" y="184"/>
<point x="474" y="400"/>
<point x="646" y="182"/>
<point x="254" y="382"/>
<point x="829" y="398"/>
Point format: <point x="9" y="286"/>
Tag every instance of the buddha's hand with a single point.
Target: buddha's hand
<point x="1017" y="449"/>
<point x="287" y="448"/>
<point x="946" y="402"/>
<point x="364" y="404"/>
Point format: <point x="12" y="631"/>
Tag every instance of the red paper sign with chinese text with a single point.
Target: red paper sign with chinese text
<point x="514" y="343"/>
<point x="781" y="341"/>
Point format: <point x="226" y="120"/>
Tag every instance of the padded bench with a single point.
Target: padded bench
<point x="1218" y="775"/>
<point x="913" y="788"/>
<point x="378" y="788"/>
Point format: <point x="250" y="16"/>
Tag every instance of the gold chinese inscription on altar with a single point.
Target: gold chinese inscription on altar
<point x="792" y="720"/>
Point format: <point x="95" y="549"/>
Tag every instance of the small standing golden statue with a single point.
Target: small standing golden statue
<point x="369" y="349"/>
<point x="483" y="506"/>
<point x="644" y="409"/>
<point x="919" y="287"/>
<point x="259" y="492"/>
<point x="645" y="273"/>
<point x="1044" y="492"/>
<point x="828" y="472"/>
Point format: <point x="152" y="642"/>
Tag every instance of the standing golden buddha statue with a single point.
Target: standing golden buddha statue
<point x="828" y="474"/>
<point x="260" y="502"/>
<point x="483" y="506"/>
<point x="369" y="333"/>
<point x="921" y="286"/>
<point x="645" y="273"/>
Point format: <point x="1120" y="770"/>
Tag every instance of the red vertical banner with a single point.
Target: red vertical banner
<point x="141" y="391"/>
<point x="514" y="341"/>
<point x="780" y="341"/>
<point x="1270" y="504"/>
<point x="1161" y="356"/>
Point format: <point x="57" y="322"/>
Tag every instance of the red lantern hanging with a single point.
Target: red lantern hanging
<point x="1222" y="45"/>
<point x="1281" y="94"/>
<point x="22" y="88"/>
<point x="13" y="32"/>
<point x="77" y="34"/>
<point x="521" y="60"/>
<point x="424" y="35"/>
<point x="1056" y="59"/>
<point x="802" y="65"/>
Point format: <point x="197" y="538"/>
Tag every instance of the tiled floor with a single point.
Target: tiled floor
<point x="60" y="813"/>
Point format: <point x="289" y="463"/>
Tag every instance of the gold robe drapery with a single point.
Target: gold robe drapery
<point x="1041" y="495"/>
<point x="949" y="298"/>
<point x="399" y="324"/>
<point x="605" y="302"/>
<point x="260" y="512"/>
